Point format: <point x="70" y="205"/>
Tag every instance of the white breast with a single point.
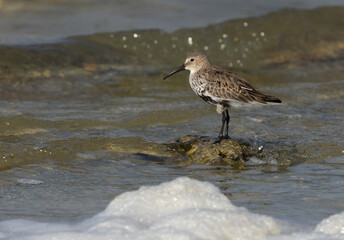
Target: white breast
<point x="197" y="84"/>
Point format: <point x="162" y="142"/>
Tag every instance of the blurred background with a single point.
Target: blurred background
<point x="37" y="21"/>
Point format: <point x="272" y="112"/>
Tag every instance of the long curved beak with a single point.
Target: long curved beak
<point x="181" y="68"/>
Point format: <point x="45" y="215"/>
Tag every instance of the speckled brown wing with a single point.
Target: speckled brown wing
<point x="228" y="86"/>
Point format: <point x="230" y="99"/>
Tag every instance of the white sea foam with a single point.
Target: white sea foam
<point x="180" y="209"/>
<point x="331" y="228"/>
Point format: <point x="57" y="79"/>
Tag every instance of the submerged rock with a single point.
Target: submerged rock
<point x="206" y="151"/>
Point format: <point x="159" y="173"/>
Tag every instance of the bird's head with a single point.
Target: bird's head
<point x="194" y="62"/>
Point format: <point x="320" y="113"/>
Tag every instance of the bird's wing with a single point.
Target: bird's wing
<point x="226" y="85"/>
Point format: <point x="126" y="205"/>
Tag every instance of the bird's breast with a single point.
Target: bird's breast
<point x="197" y="83"/>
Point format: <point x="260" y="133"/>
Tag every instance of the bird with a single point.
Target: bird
<point x="220" y="87"/>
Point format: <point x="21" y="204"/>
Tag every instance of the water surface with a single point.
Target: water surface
<point x="87" y="119"/>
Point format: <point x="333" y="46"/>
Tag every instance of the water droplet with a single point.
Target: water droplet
<point x="190" y="41"/>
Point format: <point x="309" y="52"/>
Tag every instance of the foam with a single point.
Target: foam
<point x="331" y="228"/>
<point x="180" y="209"/>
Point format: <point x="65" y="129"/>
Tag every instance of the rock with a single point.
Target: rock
<point x="130" y="145"/>
<point x="205" y="151"/>
<point x="195" y="150"/>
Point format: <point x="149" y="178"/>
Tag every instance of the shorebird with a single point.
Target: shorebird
<point x="220" y="87"/>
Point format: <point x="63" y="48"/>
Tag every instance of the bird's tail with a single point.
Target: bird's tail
<point x="272" y="99"/>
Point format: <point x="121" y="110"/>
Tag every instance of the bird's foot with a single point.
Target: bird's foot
<point x="219" y="138"/>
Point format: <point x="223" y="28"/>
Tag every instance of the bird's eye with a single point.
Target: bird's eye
<point x="191" y="60"/>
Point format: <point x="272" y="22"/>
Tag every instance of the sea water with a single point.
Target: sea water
<point x="84" y="124"/>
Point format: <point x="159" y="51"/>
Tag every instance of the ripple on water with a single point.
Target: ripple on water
<point x="25" y="181"/>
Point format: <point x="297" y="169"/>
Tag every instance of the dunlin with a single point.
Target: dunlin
<point x="221" y="87"/>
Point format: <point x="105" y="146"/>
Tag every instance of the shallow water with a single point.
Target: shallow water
<point x="86" y="120"/>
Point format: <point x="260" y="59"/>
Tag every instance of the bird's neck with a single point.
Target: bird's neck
<point x="192" y="72"/>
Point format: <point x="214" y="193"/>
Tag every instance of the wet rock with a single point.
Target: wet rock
<point x="206" y="151"/>
<point x="132" y="145"/>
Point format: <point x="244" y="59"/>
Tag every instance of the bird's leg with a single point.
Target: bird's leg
<point x="227" y="123"/>
<point x="223" y="124"/>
